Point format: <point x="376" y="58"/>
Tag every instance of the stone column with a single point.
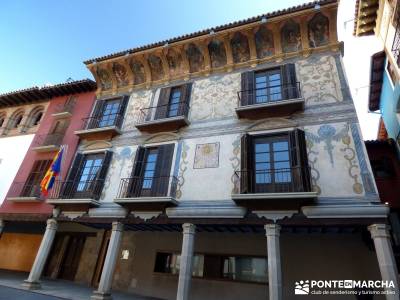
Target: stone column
<point x="185" y="270"/>
<point x="41" y="257"/>
<point x="104" y="290"/>
<point x="272" y="232"/>
<point x="384" y="252"/>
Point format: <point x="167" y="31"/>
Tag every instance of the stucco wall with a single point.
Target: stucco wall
<point x="332" y="256"/>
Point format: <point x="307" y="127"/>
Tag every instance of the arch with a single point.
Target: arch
<point x="15" y="119"/>
<point x="240" y="48"/>
<point x="35" y="116"/>
<point x="290" y="37"/>
<point x="161" y="137"/>
<point x="318" y="30"/>
<point x="217" y="51"/>
<point x="264" y="40"/>
<point x="2" y="118"/>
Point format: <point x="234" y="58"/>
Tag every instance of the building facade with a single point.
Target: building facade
<point x="54" y="119"/>
<point x="224" y="164"/>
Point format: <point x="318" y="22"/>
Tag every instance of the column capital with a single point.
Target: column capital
<point x="188" y="228"/>
<point x="52" y="224"/>
<point x="117" y="226"/>
<point x="379" y="230"/>
<point x="272" y="229"/>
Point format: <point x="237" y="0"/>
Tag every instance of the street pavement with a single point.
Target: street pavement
<point x="7" y="293"/>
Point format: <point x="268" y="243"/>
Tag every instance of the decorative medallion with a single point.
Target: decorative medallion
<point x="206" y="156"/>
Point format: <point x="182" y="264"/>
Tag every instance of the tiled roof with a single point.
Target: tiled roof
<point x="215" y="29"/>
<point x="35" y="94"/>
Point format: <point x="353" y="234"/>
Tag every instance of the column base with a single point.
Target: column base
<point x="31" y="285"/>
<point x="100" y="296"/>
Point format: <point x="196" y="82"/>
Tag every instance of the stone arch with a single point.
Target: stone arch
<point x="35" y="116"/>
<point x="217" y="51"/>
<point x="318" y="30"/>
<point x="16" y="119"/>
<point x="3" y="116"/>
<point x="240" y="48"/>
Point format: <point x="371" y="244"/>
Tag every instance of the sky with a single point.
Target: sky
<point x="46" y="41"/>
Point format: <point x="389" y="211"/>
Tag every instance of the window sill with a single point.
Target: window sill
<point x="165" y="124"/>
<point x="24" y="199"/>
<point x="96" y="132"/>
<point x="277" y="108"/>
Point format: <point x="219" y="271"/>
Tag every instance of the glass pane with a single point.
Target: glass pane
<point x="262" y="147"/>
<point x="262" y="166"/>
<point x="281" y="156"/>
<point x="262" y="157"/>
<point x="278" y="146"/>
<point x="281" y="165"/>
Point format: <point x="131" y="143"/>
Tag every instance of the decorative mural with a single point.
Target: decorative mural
<point x="264" y="40"/>
<point x="331" y="153"/>
<point x="214" y="97"/>
<point x="156" y="67"/>
<point x="216" y="48"/>
<point x="138" y="100"/>
<point x="206" y="156"/>
<point x="319" y="80"/>
<point x="195" y="57"/>
<point x="182" y="169"/>
<point x="235" y="163"/>
<point x="290" y="37"/>
<point x="240" y="48"/>
<point x="104" y="78"/>
<point x="138" y="72"/>
<point x="120" y="74"/>
<point x="318" y="31"/>
<point x="175" y="64"/>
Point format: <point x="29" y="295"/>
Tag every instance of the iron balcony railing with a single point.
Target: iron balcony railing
<point x="89" y="189"/>
<point x="269" y="94"/>
<point x="140" y="186"/>
<point x="67" y="107"/>
<point x="103" y="121"/>
<point x="162" y="112"/>
<point x="285" y="180"/>
<point x="48" y="140"/>
<point x="25" y="189"/>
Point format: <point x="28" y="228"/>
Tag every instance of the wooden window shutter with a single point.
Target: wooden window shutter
<point x="289" y="82"/>
<point x="135" y="183"/>
<point x="102" y="173"/>
<point x="162" y="105"/>
<point x="299" y="161"/>
<point x="122" y="109"/>
<point x="97" y="112"/>
<point x="246" y="164"/>
<point x="67" y="188"/>
<point x="163" y="169"/>
<point x="247" y="94"/>
<point x="186" y="91"/>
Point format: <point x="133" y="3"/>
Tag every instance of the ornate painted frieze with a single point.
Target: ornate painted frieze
<point x="182" y="170"/>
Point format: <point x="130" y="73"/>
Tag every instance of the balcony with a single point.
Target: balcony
<point x="64" y="110"/>
<point x="163" y="117"/>
<point x="103" y="127"/>
<point x="279" y="100"/>
<point x="76" y="195"/>
<point x="24" y="192"/>
<point x="47" y="142"/>
<point x="273" y="189"/>
<point x="147" y="193"/>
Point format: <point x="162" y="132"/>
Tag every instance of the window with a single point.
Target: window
<point x="32" y="184"/>
<point x="383" y="168"/>
<point x="36" y="119"/>
<point x="89" y="171"/>
<point x="236" y="268"/>
<point x="109" y="113"/>
<point x="268" y="86"/>
<point x="151" y="172"/>
<point x="174" y="102"/>
<point x="17" y="121"/>
<point x="1" y="121"/>
<point x="274" y="163"/>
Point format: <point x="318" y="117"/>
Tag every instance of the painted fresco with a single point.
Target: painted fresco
<point x="195" y="57"/>
<point x="104" y="78"/>
<point x="319" y="80"/>
<point x="264" y="40"/>
<point x="318" y="31"/>
<point x="175" y="64"/>
<point x="120" y="74"/>
<point x="206" y="156"/>
<point x="156" y="67"/>
<point x="217" y="52"/>
<point x="240" y="48"/>
<point x="290" y="37"/>
<point x="138" y="72"/>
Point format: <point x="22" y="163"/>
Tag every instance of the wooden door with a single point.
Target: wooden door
<point x="72" y="257"/>
<point x="101" y="258"/>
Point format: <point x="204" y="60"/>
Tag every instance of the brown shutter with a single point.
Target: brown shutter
<point x="101" y="175"/>
<point x="247" y="93"/>
<point x="67" y="187"/>
<point x="31" y="187"/>
<point x="121" y="112"/>
<point x="213" y="266"/>
<point x="162" y="105"/>
<point x="135" y="183"/>
<point x="246" y="164"/>
<point x="163" y="170"/>
<point x="299" y="161"/>
<point x="186" y="91"/>
<point x="289" y="82"/>
<point x="97" y="112"/>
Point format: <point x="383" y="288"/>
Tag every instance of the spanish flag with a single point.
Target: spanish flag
<point x="48" y="180"/>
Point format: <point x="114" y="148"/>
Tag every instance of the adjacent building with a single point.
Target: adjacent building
<point x="55" y="114"/>
<point x="223" y="164"/>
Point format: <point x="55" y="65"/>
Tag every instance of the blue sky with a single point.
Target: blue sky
<point x="46" y="41"/>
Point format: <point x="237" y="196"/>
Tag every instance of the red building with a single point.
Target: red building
<point x="24" y="211"/>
